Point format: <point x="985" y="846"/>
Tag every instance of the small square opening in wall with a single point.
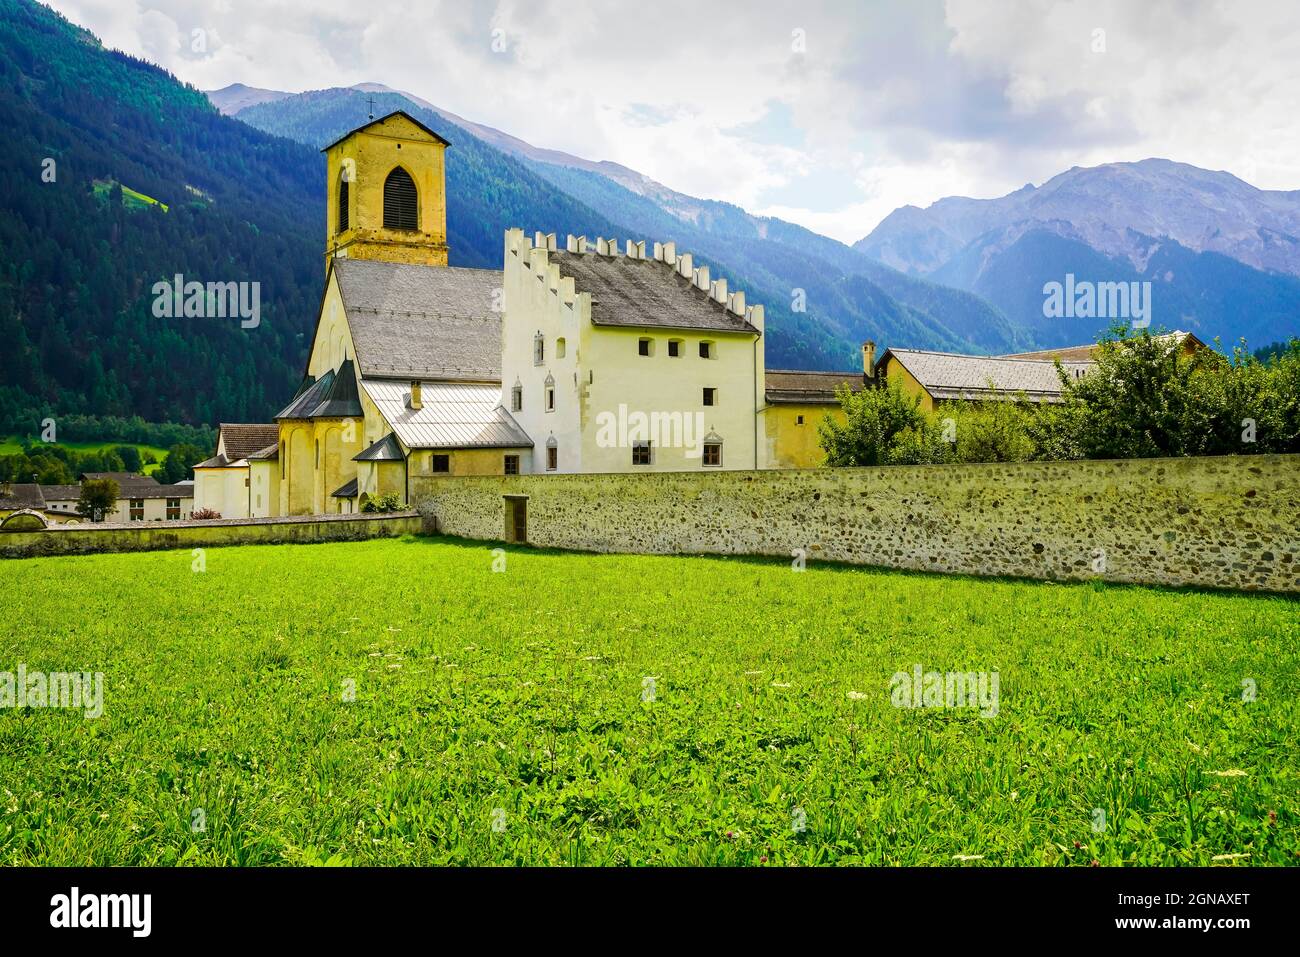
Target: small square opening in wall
<point x="712" y="454"/>
<point x="642" y="452"/>
<point x="645" y="347"/>
<point x="710" y="396"/>
<point x="798" y="420"/>
<point x="674" y="348"/>
<point x="707" y="350"/>
<point x="511" y="465"/>
<point x="439" y="463"/>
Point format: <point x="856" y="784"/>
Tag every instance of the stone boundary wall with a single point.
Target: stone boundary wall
<point x="1223" y="522"/>
<point x="148" y="536"/>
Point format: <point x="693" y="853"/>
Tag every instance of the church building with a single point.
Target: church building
<point x="594" y="357"/>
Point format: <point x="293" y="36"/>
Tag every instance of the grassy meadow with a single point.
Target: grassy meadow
<point x="588" y="709"/>
<point x="12" y="446"/>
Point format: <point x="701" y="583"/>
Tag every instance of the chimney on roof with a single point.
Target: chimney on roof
<point x="415" y="400"/>
<point x="868" y="358"/>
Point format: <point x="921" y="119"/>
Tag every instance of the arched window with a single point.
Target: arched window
<point x="401" y="206"/>
<point x="343" y="202"/>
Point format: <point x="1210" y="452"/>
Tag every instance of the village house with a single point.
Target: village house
<point x="235" y="482"/>
<point x="797" y="401"/>
<point x="140" y="499"/>
<point x="938" y="377"/>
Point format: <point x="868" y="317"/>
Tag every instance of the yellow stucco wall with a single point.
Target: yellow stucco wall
<point x="895" y="372"/>
<point x="368" y="156"/>
<point x="792" y="444"/>
<point x="225" y="491"/>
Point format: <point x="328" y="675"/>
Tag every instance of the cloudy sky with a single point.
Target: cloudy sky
<point x="827" y="114"/>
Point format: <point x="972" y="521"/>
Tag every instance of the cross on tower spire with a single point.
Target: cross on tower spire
<point x="370" y="102"/>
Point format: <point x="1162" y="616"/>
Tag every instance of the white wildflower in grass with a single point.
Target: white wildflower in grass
<point x="1229" y="857"/>
<point x="1230" y="773"/>
<point x="968" y="857"/>
<point x="753" y="672"/>
<point x="857" y="696"/>
<point x="780" y="684"/>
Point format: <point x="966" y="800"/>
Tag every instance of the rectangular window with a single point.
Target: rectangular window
<point x="440" y="463"/>
<point x="706" y="350"/>
<point x="799" y="420"/>
<point x="550" y="398"/>
<point x="137" y="510"/>
<point x="712" y="453"/>
<point x="641" y="452"/>
<point x="512" y="465"/>
<point x="174" y="507"/>
<point x="552" y="459"/>
<point x="710" y="396"/>
<point x="674" y="348"/>
<point x="643" y="347"/>
<point x="539" y="350"/>
<point x="517" y="399"/>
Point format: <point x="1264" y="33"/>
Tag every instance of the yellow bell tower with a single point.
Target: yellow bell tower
<point x="386" y="193"/>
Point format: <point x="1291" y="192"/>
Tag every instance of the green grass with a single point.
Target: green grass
<point x="11" y="446"/>
<point x="130" y="198"/>
<point x="516" y="698"/>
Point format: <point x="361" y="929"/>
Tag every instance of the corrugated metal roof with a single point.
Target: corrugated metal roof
<point x="454" y="415"/>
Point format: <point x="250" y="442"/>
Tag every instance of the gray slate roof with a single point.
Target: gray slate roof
<point x="347" y="490"/>
<point x="386" y="449"/>
<point x="453" y="415"/>
<point x="22" y="495"/>
<point x="123" y="479"/>
<point x="333" y="396"/>
<point x="947" y="375"/>
<point x="808" y="388"/>
<point x="422" y="322"/>
<point x="645" y="293"/>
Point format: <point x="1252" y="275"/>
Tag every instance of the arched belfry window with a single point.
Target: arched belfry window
<point x="401" y="205"/>
<point x="343" y="202"/>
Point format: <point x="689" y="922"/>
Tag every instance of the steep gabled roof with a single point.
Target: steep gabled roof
<point x="422" y="322"/>
<point x="386" y="449"/>
<point x="403" y="114"/>
<point x="645" y="294"/>
<point x="333" y="396"/>
<point x="239" y="439"/>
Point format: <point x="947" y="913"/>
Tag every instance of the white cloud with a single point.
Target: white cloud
<point x="910" y="100"/>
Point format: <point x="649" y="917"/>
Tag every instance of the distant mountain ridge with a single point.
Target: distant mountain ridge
<point x="1222" y="255"/>
<point x="844" y="296"/>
